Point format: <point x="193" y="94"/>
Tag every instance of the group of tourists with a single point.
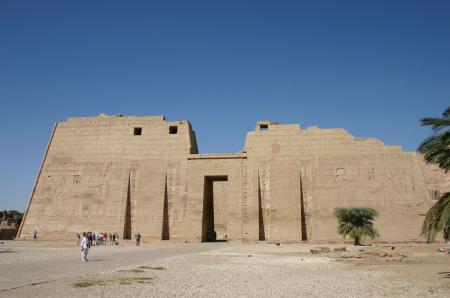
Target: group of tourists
<point x="99" y="238"/>
<point x="88" y="239"/>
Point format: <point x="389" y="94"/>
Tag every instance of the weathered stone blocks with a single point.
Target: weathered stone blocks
<point x="144" y="174"/>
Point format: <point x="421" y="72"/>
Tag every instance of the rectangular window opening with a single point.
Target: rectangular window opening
<point x="264" y="127"/>
<point x="173" y="130"/>
<point x="137" y="131"/>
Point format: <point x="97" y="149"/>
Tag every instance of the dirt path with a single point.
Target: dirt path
<point x="235" y="270"/>
<point x="27" y="263"/>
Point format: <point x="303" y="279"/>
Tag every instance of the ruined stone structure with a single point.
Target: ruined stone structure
<point x="128" y="174"/>
<point x="9" y="224"/>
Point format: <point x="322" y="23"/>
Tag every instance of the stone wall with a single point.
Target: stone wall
<point x="94" y="167"/>
<point x="328" y="168"/>
<point x="129" y="174"/>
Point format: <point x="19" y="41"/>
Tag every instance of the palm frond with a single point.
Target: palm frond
<point x="446" y="112"/>
<point x="443" y="212"/>
<point x="429" y="227"/>
<point x="436" y="149"/>
<point x="437" y="218"/>
<point x="436" y="123"/>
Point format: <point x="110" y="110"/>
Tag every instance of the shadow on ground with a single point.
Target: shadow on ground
<point x="444" y="274"/>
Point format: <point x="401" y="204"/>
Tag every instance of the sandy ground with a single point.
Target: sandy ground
<point x="241" y="270"/>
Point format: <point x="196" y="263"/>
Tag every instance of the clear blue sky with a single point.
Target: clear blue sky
<point x="372" y="67"/>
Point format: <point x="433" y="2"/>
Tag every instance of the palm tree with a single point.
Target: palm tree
<point x="356" y="222"/>
<point x="437" y="219"/>
<point x="436" y="150"/>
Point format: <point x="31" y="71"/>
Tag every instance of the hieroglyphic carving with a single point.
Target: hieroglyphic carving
<point x="76" y="179"/>
<point x="107" y="169"/>
<point x="339" y="176"/>
<point x="383" y="184"/>
<point x="245" y="216"/>
<point x="185" y="195"/>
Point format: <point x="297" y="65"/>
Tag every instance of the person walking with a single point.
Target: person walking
<point x="34" y="234"/>
<point x="138" y="239"/>
<point x="84" y="248"/>
<point x="78" y="238"/>
<point x="89" y="238"/>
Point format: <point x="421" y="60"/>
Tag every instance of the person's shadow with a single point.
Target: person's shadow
<point x="444" y="274"/>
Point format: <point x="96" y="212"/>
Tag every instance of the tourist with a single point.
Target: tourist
<point x="89" y="237"/>
<point x="35" y="234"/>
<point x="116" y="239"/>
<point x="105" y="238"/>
<point x="94" y="239"/>
<point x="78" y="238"/>
<point x="138" y="238"/>
<point x="111" y="242"/>
<point x="84" y="248"/>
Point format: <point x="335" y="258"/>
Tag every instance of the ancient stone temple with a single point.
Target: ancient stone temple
<point x="144" y="174"/>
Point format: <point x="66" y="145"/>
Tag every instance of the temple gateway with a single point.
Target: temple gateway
<point x="129" y="174"/>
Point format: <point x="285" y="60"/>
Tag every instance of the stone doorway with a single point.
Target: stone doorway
<point x="209" y="233"/>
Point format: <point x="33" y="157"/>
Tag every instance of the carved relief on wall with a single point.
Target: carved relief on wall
<point x="76" y="179"/>
<point x="339" y="174"/>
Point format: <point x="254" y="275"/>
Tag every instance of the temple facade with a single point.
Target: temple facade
<point x="129" y="174"/>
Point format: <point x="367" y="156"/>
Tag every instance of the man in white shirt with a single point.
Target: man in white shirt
<point x="84" y="248"/>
